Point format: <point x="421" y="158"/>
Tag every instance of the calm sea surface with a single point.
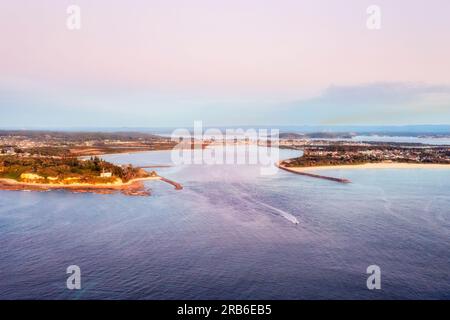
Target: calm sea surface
<point x="230" y="234"/>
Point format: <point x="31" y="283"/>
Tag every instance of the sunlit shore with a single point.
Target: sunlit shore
<point x="117" y="184"/>
<point x="383" y="165"/>
<point x="134" y="187"/>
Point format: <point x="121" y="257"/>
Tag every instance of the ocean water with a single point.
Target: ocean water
<point x="231" y="234"/>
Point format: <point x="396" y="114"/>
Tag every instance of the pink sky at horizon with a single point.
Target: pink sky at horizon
<point x="260" y="50"/>
<point x="267" y="45"/>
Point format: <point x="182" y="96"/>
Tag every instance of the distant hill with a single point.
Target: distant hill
<point x="292" y="135"/>
<point x="408" y="130"/>
<point x="79" y="136"/>
<point x="314" y="131"/>
<point x="316" y="135"/>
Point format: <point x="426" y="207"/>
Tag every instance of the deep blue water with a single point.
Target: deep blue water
<point x="229" y="235"/>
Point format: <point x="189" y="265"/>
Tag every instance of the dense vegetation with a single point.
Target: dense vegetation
<point x="89" y="170"/>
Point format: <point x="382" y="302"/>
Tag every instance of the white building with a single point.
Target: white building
<point x="106" y="174"/>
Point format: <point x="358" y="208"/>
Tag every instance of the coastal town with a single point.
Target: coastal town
<point x="45" y="160"/>
<point x="345" y="154"/>
<point x="320" y="154"/>
<point x="59" y="144"/>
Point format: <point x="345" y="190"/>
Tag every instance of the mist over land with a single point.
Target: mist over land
<point x="310" y="131"/>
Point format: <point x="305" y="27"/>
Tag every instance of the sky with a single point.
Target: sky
<point x="236" y="62"/>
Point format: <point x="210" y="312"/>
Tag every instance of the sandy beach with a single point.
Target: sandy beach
<point x="383" y="165"/>
<point x="133" y="187"/>
<point x="117" y="185"/>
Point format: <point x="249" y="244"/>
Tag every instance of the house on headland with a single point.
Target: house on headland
<point x="106" y="174"/>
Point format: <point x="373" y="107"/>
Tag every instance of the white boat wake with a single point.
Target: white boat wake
<point x="241" y="192"/>
<point x="284" y="214"/>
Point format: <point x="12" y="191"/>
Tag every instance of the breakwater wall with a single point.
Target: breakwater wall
<point x="312" y="175"/>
